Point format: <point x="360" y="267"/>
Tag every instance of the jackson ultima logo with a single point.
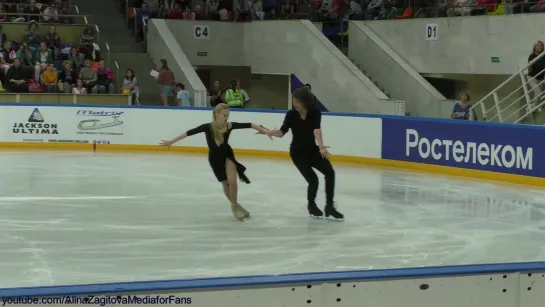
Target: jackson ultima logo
<point x="35" y="125"/>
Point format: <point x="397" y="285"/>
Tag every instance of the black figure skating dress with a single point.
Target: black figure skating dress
<point x="217" y="155"/>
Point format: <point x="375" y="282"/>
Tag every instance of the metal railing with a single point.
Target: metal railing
<point x="515" y="100"/>
<point x="44" y="18"/>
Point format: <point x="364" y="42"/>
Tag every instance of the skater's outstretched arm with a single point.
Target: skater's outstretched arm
<point x="286" y="125"/>
<point x="199" y="129"/>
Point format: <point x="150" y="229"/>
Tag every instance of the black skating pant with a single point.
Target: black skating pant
<point x="305" y="161"/>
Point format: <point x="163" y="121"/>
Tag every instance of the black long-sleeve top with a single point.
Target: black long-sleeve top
<point x="536" y="69"/>
<point x="302" y="129"/>
<point x="207" y="130"/>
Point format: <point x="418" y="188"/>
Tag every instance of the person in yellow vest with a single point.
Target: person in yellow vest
<point x="234" y="96"/>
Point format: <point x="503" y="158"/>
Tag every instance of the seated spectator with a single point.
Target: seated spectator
<point x="213" y="5"/>
<point x="16" y="78"/>
<point x="539" y="7"/>
<point x="79" y="89"/>
<point x="461" y="109"/>
<point x="43" y="58"/>
<point x="256" y="10"/>
<point x="464" y="7"/>
<point x="376" y="8"/>
<point x="65" y="10"/>
<point x="7" y="55"/>
<point x="26" y="57"/>
<point x="89" y="77"/>
<point x="176" y="12"/>
<point x="53" y="41"/>
<point x="50" y="79"/>
<point x="32" y="36"/>
<point x="105" y="79"/>
<point x="182" y="96"/>
<point x="188" y="14"/>
<point x="32" y="9"/>
<point x="67" y="78"/>
<point x="76" y="59"/>
<point x="51" y="14"/>
<point x="86" y="42"/>
<point x="130" y="85"/>
<point x="162" y="12"/>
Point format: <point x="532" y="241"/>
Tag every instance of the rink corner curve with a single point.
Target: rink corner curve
<point x="498" y="152"/>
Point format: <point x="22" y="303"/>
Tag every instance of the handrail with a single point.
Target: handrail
<point x="493" y="94"/>
<point x="77" y="8"/>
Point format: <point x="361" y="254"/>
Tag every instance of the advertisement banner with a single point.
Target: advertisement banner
<point x="65" y="125"/>
<point x="489" y="147"/>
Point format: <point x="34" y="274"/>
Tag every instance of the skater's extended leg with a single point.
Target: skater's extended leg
<point x="232" y="189"/>
<point x="324" y="166"/>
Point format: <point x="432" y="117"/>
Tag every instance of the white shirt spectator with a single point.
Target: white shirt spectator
<point x="51" y="14"/>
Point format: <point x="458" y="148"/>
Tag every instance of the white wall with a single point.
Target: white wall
<point x="398" y="77"/>
<point x="286" y="47"/>
<point x="464" y="44"/>
<point x="163" y="45"/>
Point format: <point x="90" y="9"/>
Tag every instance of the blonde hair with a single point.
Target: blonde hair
<point x="218" y="135"/>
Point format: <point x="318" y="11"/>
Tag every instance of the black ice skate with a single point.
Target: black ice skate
<point x="332" y="213"/>
<point x="314" y="211"/>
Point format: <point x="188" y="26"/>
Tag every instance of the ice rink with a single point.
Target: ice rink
<point x="80" y="217"/>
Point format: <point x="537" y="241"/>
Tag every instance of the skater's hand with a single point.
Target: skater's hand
<point x="166" y="143"/>
<point x="324" y="152"/>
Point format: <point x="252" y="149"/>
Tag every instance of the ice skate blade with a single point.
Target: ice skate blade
<point x="316" y="216"/>
<point x="331" y="218"/>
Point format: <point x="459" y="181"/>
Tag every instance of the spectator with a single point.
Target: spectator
<point x="130" y="85"/>
<point x="86" y="42"/>
<point x="53" y="42"/>
<point x="105" y="79"/>
<point x="461" y="109"/>
<point x="245" y="96"/>
<point x="33" y="10"/>
<point x="143" y="14"/>
<point x="89" y="77"/>
<point x="65" y="10"/>
<point x="26" y="58"/>
<point x="213" y="5"/>
<point x="42" y="58"/>
<point x="256" y="10"/>
<point x="233" y="96"/>
<point x="77" y="60"/>
<point x="216" y="95"/>
<point x="464" y="7"/>
<point x="188" y="14"/>
<point x="7" y="55"/>
<point x="376" y="8"/>
<point x="176" y="12"/>
<point x="153" y="5"/>
<point x="16" y="78"/>
<point x="32" y="36"/>
<point x="162" y="12"/>
<point x="182" y="96"/>
<point x="79" y="89"/>
<point x="539" y="7"/>
<point x="67" y="78"/>
<point x="535" y="71"/>
<point x="50" y="79"/>
<point x="51" y="14"/>
<point x="166" y="80"/>
<point x="3" y="36"/>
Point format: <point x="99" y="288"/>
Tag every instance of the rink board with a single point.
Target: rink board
<point x="354" y="138"/>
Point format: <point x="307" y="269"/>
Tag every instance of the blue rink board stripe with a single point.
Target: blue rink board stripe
<point x="273" y="280"/>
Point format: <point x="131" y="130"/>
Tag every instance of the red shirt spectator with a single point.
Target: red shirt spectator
<point x="490" y="5"/>
<point x="176" y="13"/>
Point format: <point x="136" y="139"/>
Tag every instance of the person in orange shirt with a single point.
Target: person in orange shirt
<point x="50" y="79"/>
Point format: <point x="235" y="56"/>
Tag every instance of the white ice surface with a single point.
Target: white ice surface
<point x="77" y="218"/>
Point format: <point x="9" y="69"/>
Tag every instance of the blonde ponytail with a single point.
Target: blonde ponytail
<point x="218" y="135"/>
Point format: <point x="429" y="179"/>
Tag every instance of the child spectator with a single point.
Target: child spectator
<point x="130" y="85"/>
<point x="50" y="79"/>
<point x="182" y="96"/>
<point x="16" y="78"/>
<point x="105" y="79"/>
<point x="67" y="78"/>
<point x="79" y="89"/>
<point x="461" y="109"/>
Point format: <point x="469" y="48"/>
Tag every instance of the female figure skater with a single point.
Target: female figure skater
<point x="220" y="154"/>
<point x="305" y="124"/>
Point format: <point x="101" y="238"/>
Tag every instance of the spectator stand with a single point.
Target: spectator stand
<point x="47" y="98"/>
